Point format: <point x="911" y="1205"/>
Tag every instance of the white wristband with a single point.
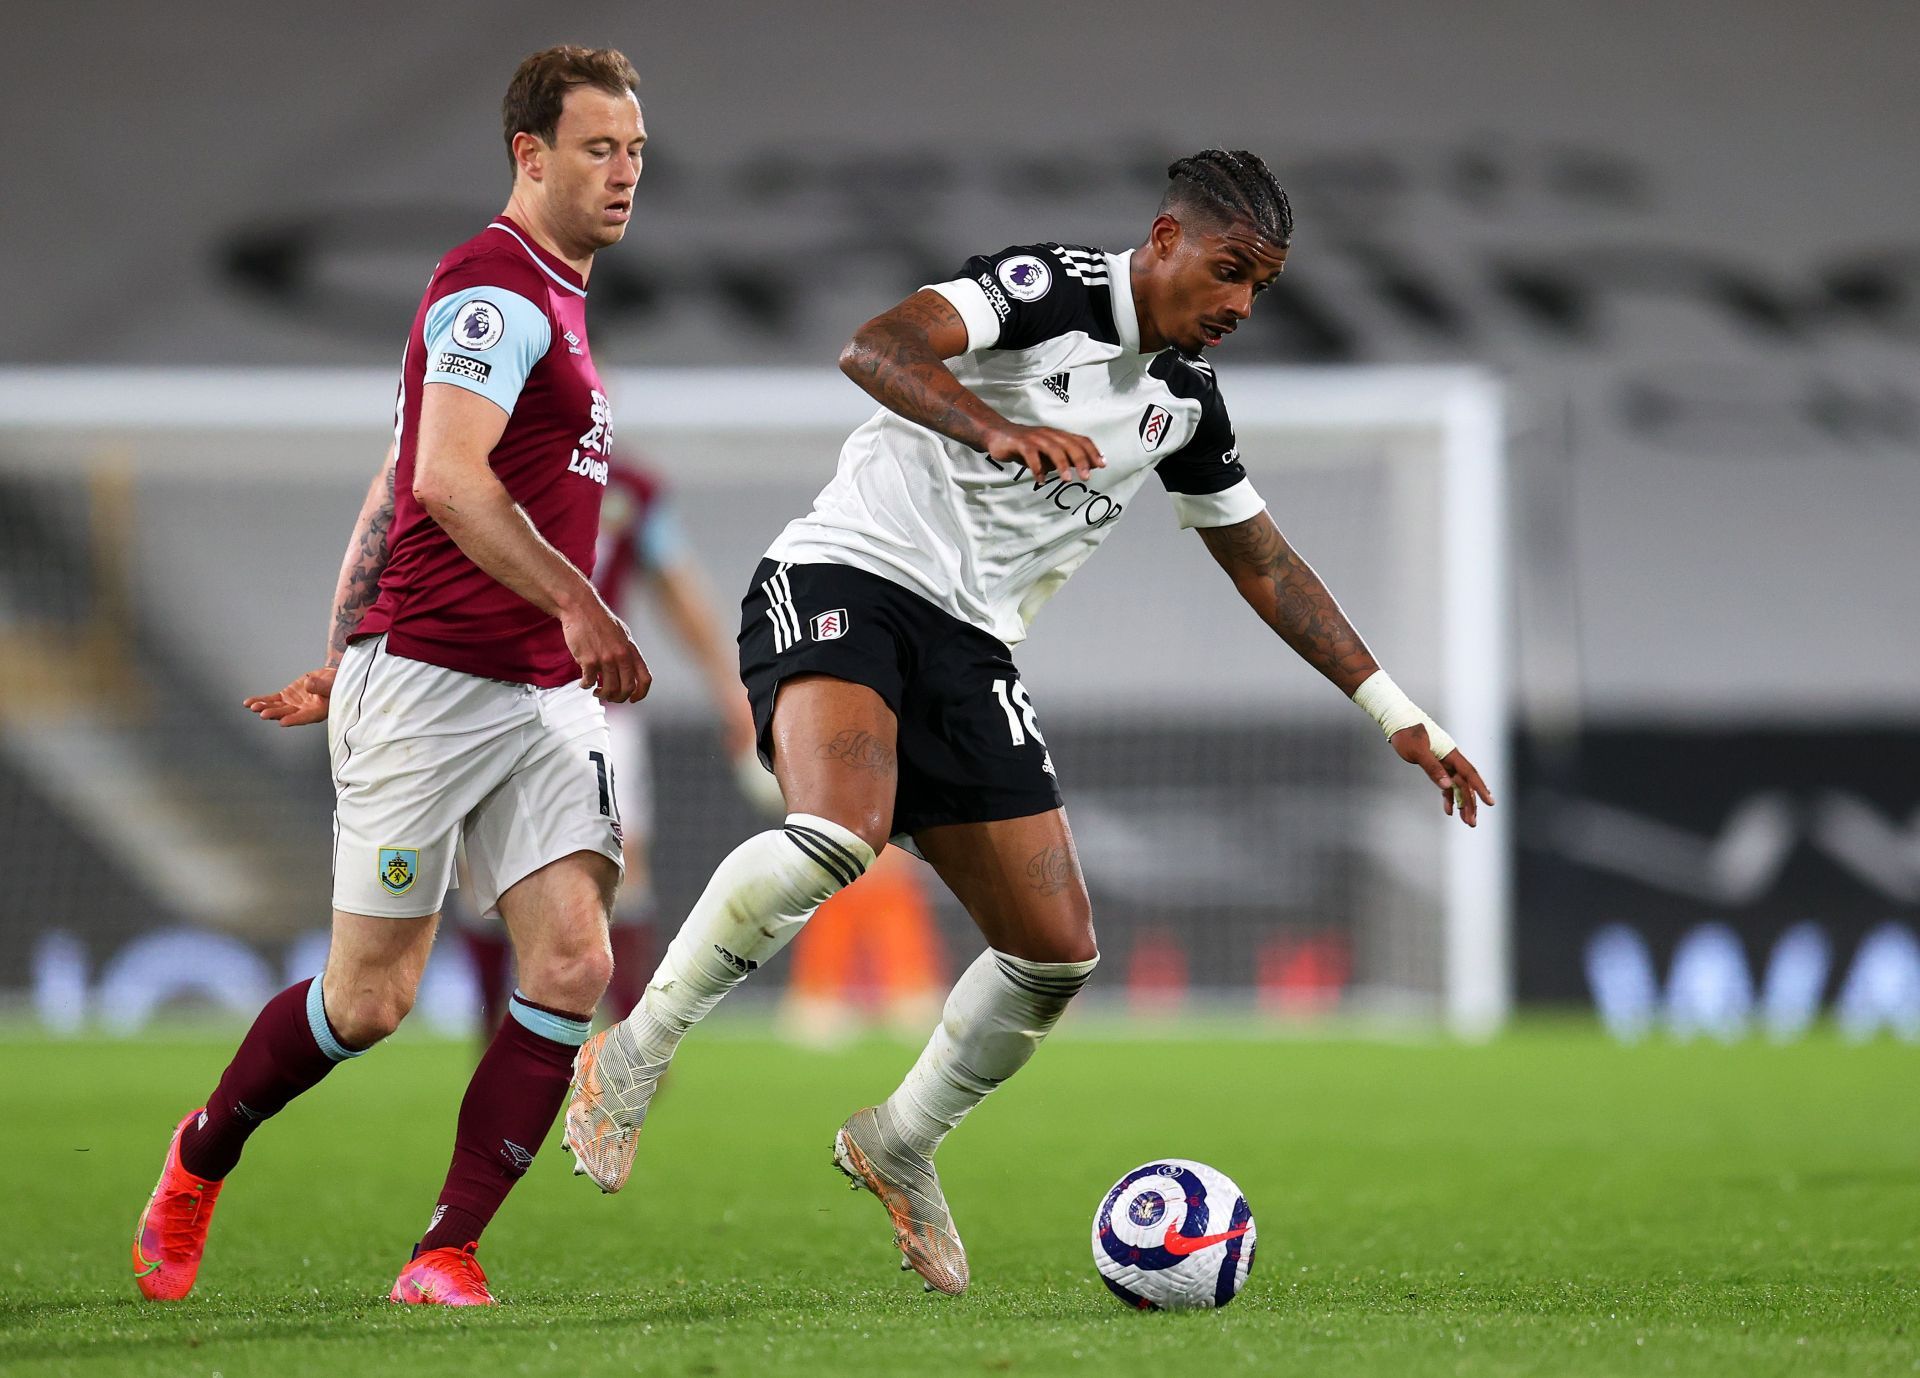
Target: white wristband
<point x="1382" y="700"/>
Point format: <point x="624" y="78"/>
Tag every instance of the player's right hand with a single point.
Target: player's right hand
<point x="1046" y="452"/>
<point x="610" y="664"/>
<point x="1460" y="785"/>
<point x="300" y="703"/>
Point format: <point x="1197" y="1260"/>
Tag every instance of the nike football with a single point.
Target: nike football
<point x="1174" y="1235"/>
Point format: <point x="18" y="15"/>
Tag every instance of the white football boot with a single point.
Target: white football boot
<point x="607" y="1104"/>
<point x="870" y="1153"/>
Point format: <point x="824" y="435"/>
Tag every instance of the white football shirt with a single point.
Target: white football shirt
<point x="1052" y="340"/>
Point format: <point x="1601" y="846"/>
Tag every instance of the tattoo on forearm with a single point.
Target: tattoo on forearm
<point x="1051" y="870"/>
<point x="862" y="750"/>
<point x="891" y="360"/>
<point x="1290" y="598"/>
<point x="360" y="581"/>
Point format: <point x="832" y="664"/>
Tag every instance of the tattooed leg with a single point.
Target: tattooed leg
<point x="1050" y="870"/>
<point x="833" y="750"/>
<point x="1020" y="881"/>
<point x="861" y="750"/>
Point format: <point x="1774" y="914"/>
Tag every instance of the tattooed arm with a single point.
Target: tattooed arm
<point x="899" y="359"/>
<point x="366" y="558"/>
<point x="306" y="700"/>
<point x="1290" y="598"/>
<point x="1288" y="595"/>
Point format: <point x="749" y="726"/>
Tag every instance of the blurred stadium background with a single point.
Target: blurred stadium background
<point x="1658" y="297"/>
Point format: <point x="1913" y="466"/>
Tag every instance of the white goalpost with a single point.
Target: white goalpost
<point x="1232" y="810"/>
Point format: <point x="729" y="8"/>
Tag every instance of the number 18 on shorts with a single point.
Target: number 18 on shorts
<point x="970" y="749"/>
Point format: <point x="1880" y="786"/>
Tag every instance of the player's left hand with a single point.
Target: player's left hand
<point x="1459" y="783"/>
<point x="304" y="701"/>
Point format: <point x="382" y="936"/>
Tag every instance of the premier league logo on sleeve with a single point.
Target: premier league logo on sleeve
<point x="479" y="325"/>
<point x="1025" y="277"/>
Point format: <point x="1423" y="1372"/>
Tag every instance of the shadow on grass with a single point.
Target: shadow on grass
<point x="103" y="1327"/>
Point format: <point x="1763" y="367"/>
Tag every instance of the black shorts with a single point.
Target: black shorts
<point x="969" y="749"/>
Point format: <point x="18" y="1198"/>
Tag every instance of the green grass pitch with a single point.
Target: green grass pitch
<point x="1549" y="1204"/>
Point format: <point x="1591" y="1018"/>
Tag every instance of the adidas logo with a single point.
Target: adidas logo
<point x="1057" y="385"/>
<point x="741" y="965"/>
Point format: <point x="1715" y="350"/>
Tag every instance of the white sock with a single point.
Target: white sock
<point x="1000" y="1009"/>
<point x="759" y="897"/>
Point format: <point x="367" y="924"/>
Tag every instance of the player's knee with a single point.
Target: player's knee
<point x="871" y="823"/>
<point x="1064" y="935"/>
<point x="571" y="975"/>
<point x="872" y="827"/>
<point x="1081" y="949"/>
<point x="362" y="1017"/>
<point x="593" y="969"/>
<point x="1070" y="948"/>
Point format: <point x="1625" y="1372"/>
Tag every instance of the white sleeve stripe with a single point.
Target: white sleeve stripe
<point x="970" y="300"/>
<point x="1228" y="506"/>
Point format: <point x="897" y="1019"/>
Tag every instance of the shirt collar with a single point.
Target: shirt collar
<point x="1126" y="321"/>
<point x="555" y="268"/>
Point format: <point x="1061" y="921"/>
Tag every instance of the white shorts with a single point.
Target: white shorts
<point x="430" y="764"/>
<point x="632" y="763"/>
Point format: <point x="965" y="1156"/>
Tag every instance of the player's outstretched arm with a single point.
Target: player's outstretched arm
<point x="457" y="487"/>
<point x="690" y="612"/>
<point x="683" y="596"/>
<point x="306" y="699"/>
<point x="1289" y="597"/>
<point x="899" y="359"/>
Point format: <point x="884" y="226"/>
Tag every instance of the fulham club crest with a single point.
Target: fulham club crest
<point x="830" y="626"/>
<point x="1154" y="424"/>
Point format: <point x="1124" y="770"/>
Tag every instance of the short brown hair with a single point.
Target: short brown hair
<point x="539" y="88"/>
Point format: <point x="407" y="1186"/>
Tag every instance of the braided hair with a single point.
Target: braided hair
<point x="1229" y="186"/>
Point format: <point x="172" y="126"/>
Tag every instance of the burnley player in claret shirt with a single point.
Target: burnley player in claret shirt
<point x="467" y="663"/>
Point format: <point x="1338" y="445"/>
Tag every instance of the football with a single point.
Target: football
<point x="1174" y="1235"/>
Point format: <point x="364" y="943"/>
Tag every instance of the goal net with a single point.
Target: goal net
<point x="169" y="541"/>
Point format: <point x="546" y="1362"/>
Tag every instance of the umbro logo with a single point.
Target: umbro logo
<point x="518" y="1158"/>
<point x="1057" y="385"/>
<point x="573" y="342"/>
